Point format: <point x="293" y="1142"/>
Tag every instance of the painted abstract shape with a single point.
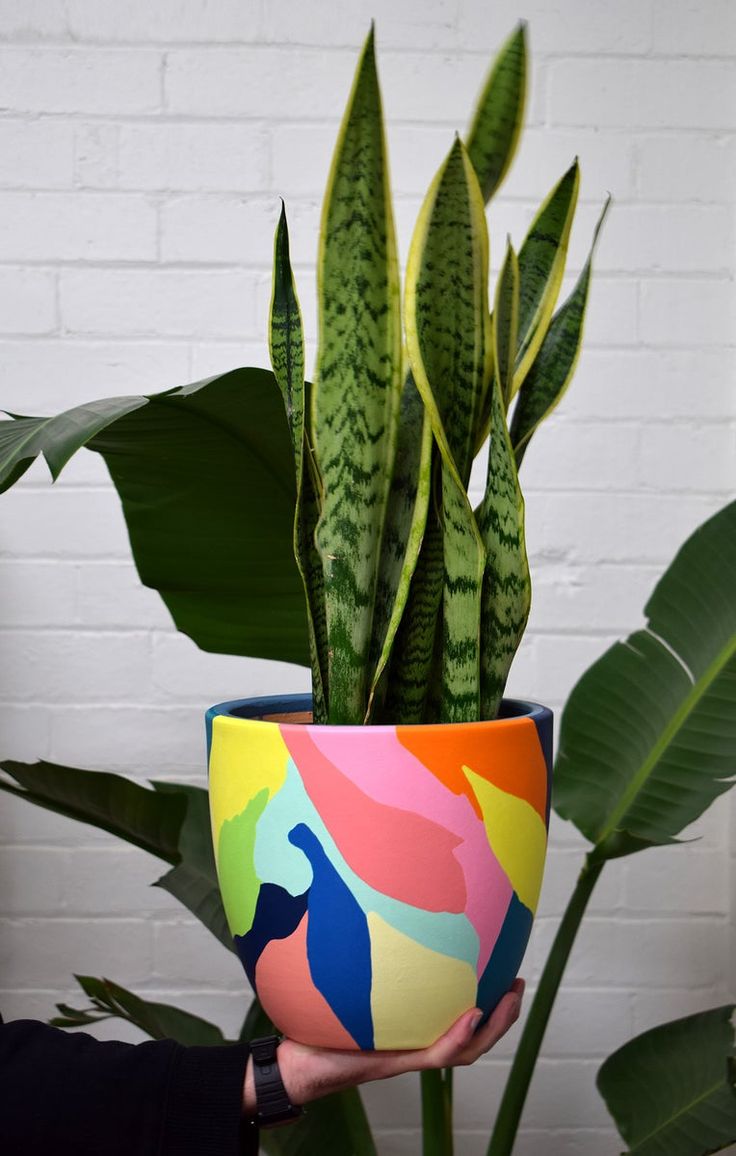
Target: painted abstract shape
<point x="288" y="995"/>
<point x="277" y="916"/>
<point x="508" y="953"/>
<point x="518" y="837"/>
<point x="396" y="851"/>
<point x="338" y="943"/>
<point x="416" y="992"/>
<point x="235" y="849"/>
<point x="238" y="773"/>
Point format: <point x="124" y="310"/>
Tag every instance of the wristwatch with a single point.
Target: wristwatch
<point x="272" y="1101"/>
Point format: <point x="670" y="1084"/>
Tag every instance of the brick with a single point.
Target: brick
<point x="688" y="28"/>
<point x="210" y="358"/>
<point x="566" y="1142"/>
<point x="181" y="673"/>
<point x="686" y="167"/>
<point x="612" y="317"/>
<point x="36" y="593"/>
<point x="23" y="823"/>
<point x="545" y="153"/>
<point x="394" y="1103"/>
<point x="678" y="879"/>
<point x="31" y="881"/>
<point x="59" y="374"/>
<point x="167" y="22"/>
<point x="80" y="80"/>
<point x="156" y="302"/>
<point x="152" y="741"/>
<point x="642" y="94"/>
<point x="76" y="227"/>
<point x="591" y="28"/>
<point x="45" y="952"/>
<point x="563" y="658"/>
<point x="687" y="312"/>
<point x="652" y="239"/>
<point x="641" y="383"/>
<point x="171" y="155"/>
<point x="301" y="155"/>
<point x="62" y="524"/>
<point x="432" y="24"/>
<point x="218" y="230"/>
<point x="77" y="666"/>
<point x="560" y="875"/>
<point x="563" y="1092"/>
<point x="687" y="456"/>
<point x="585" y="1023"/>
<point x="184" y="951"/>
<point x="581" y="456"/>
<point x="27" y="301"/>
<point x="34" y="19"/>
<point x="652" y="1008"/>
<point x="575" y="597"/>
<point x="42" y="152"/>
<point x="110" y="595"/>
<point x="87" y="891"/>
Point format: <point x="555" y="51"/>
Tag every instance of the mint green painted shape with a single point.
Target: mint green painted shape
<point x="239" y="881"/>
<point x="278" y="861"/>
<point x="357" y="389"/>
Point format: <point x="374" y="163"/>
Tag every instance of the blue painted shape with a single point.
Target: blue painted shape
<point x="338" y="941"/>
<point x="503" y="966"/>
<point x="277" y="915"/>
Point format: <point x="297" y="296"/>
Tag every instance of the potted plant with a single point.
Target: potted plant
<point x="413" y="801"/>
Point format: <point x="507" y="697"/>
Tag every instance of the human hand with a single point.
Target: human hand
<point x="309" y="1073"/>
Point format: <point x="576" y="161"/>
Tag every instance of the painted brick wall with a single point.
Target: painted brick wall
<point x="143" y="150"/>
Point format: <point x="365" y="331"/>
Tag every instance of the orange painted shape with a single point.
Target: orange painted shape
<point x="289" y="997"/>
<point x="507" y="753"/>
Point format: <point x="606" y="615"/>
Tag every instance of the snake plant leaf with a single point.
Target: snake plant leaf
<point x="541" y="266"/>
<point x="286" y="343"/>
<point x="672" y="1090"/>
<point x="160" y="1021"/>
<point x="193" y="880"/>
<point x="505" y="323"/>
<point x="555" y="362"/>
<point x="496" y="126"/>
<point x="448" y="340"/>
<point x="357" y="390"/>
<point x="206" y="478"/>
<point x="110" y="802"/>
<point x="506" y="582"/>
<point x="647" y="738"/>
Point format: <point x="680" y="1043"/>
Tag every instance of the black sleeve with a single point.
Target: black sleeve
<point x="70" y="1093"/>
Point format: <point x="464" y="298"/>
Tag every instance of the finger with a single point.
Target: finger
<point x="463" y="1045"/>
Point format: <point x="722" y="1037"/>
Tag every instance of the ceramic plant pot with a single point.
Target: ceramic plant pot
<point x="380" y="880"/>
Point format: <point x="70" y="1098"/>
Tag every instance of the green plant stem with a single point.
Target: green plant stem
<point x="517" y="1086"/>
<point x="437" y="1112"/>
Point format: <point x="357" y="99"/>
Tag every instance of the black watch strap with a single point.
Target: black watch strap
<point x="273" y="1104"/>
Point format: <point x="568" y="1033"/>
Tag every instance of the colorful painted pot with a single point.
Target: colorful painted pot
<point x="380" y="880"/>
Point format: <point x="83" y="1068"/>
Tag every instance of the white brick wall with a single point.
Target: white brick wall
<point x="144" y="149"/>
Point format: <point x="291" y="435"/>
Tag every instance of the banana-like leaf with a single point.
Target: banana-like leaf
<point x="286" y="343"/>
<point x="672" y="1090"/>
<point x="357" y="390"/>
<point x="145" y="818"/>
<point x="160" y="1021"/>
<point x="193" y="881"/>
<point x="505" y="323"/>
<point x="496" y="126"/>
<point x="206" y="477"/>
<point x="506" y="581"/>
<point x="648" y="736"/>
<point x="555" y="362"/>
<point x="541" y="267"/>
<point x="449" y="345"/>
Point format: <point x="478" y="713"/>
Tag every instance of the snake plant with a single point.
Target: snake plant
<point x="346" y="536"/>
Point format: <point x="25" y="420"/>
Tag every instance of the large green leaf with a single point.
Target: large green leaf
<point x="161" y="1021"/>
<point x="555" y="362"/>
<point x="648" y="736"/>
<point x="206" y="477"/>
<point x="110" y="802"/>
<point x="448" y="336"/>
<point x="496" y="125"/>
<point x="286" y="343"/>
<point x="672" y="1090"/>
<point x="357" y="386"/>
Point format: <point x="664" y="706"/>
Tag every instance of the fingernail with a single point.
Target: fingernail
<point x="476" y="1020"/>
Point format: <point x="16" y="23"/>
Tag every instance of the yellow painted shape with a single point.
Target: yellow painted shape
<point x="245" y="757"/>
<point x="416" y="993"/>
<point x="517" y="836"/>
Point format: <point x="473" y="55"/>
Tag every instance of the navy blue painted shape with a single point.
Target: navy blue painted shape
<point x="506" y="957"/>
<point x="543" y="723"/>
<point x="277" y="915"/>
<point x="338" y="942"/>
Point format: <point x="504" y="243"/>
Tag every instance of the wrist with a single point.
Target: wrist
<point x="266" y="1098"/>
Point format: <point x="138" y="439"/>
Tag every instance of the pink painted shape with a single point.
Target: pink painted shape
<point x="391" y="775"/>
<point x="289" y="997"/>
<point x="399" y="853"/>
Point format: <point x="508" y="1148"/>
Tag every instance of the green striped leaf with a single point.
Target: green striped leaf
<point x="496" y="126"/>
<point x="506" y="581"/>
<point x="449" y="345"/>
<point x="358" y="386"/>
<point x="648" y="736"/>
<point x="505" y="323"/>
<point x="672" y="1090"/>
<point x="556" y="360"/>
<point x="286" y="343"/>
<point x="541" y="266"/>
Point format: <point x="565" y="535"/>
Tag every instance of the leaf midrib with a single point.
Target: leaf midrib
<point x="706" y="1095"/>
<point x="668" y="735"/>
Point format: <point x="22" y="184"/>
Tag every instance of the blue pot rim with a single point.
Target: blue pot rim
<point x="254" y="708"/>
